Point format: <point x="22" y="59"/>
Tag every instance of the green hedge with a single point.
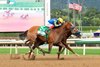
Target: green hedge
<point x="88" y="28"/>
<point x="9" y="34"/>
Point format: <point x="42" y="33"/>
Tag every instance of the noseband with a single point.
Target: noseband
<point x="72" y="27"/>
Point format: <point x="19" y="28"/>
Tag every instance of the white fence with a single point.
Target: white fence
<point x="69" y="41"/>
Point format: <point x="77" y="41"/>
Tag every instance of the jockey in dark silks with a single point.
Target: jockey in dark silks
<point x="56" y="22"/>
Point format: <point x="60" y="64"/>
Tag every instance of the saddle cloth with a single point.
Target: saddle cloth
<point x="43" y="30"/>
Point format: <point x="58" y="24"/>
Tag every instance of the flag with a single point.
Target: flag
<point x="75" y="6"/>
<point x="70" y="5"/>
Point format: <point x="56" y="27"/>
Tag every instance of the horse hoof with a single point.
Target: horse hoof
<point x="61" y="58"/>
<point x="32" y="57"/>
<point x="43" y="54"/>
<point x="23" y="57"/>
<point x="77" y="55"/>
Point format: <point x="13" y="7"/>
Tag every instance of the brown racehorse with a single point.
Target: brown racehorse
<point x="57" y="37"/>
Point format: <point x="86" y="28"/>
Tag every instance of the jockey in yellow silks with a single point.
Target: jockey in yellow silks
<point x="56" y="22"/>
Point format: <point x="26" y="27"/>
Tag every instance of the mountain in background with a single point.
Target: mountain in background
<point x="62" y="4"/>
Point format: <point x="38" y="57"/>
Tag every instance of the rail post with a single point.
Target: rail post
<point x="16" y="49"/>
<point x="84" y="47"/>
<point x="11" y="49"/>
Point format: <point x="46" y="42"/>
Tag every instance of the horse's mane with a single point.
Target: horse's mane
<point x="63" y="26"/>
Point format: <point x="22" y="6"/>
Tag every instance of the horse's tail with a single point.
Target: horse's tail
<point x="22" y="36"/>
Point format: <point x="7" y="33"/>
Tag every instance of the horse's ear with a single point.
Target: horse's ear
<point x="68" y="25"/>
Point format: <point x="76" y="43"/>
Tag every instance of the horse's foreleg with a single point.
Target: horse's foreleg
<point x="59" y="51"/>
<point x="70" y="49"/>
<point x="50" y="47"/>
<point x="60" y="44"/>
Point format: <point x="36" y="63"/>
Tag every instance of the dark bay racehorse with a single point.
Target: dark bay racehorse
<point x="57" y="37"/>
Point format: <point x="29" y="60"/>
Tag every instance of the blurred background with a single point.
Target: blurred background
<point x="87" y="19"/>
<point x="16" y="16"/>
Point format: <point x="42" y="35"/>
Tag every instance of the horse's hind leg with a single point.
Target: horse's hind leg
<point x="37" y="44"/>
<point x="42" y="51"/>
<point x="49" y="49"/>
<point x="29" y="43"/>
<point x="31" y="54"/>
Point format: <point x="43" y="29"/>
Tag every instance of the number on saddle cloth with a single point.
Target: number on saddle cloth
<point x="43" y="30"/>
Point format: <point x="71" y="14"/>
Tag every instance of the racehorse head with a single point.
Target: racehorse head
<point x="74" y="30"/>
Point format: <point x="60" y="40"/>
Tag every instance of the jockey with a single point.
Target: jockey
<point x="56" y="22"/>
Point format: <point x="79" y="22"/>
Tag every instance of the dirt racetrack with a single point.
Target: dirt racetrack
<point x="51" y="61"/>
